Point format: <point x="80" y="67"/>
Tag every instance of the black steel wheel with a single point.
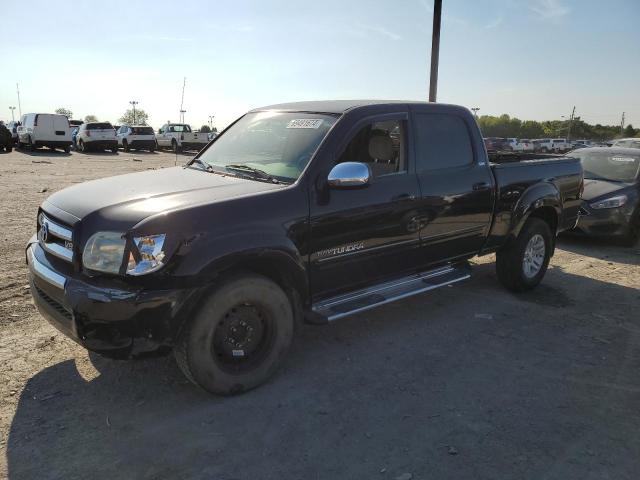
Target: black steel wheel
<point x="238" y="337"/>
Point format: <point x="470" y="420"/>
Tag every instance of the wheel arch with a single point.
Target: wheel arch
<point x="540" y="201"/>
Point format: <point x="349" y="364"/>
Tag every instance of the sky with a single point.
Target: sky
<point x="533" y="59"/>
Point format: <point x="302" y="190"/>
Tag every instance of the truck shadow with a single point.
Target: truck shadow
<point x="604" y="249"/>
<point x="499" y="376"/>
<point x="43" y="152"/>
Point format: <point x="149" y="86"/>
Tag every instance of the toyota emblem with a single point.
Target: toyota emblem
<point x="43" y="234"/>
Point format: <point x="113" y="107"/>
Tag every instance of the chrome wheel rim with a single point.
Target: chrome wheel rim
<point x="533" y="256"/>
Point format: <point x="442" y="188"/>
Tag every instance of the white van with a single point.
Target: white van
<point x="44" y="130"/>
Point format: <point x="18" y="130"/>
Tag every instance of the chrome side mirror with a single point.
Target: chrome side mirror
<point x="349" y="175"/>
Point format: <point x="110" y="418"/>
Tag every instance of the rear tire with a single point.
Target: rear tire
<point x="114" y="150"/>
<point x="522" y="263"/>
<point x="32" y="146"/>
<point x="81" y="146"/>
<point x="125" y="145"/>
<point x="239" y="336"/>
<point x="67" y="149"/>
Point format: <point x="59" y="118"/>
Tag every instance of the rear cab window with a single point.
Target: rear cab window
<point x="99" y="126"/>
<point x="442" y="140"/>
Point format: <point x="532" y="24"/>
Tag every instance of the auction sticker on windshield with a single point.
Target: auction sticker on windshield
<point x="305" y="123"/>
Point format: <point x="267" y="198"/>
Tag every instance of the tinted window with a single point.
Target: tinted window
<point x="99" y="126"/>
<point x="442" y="141"/>
<point x="179" y="128"/>
<point x="142" y="130"/>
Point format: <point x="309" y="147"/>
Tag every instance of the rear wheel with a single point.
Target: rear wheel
<point x="238" y="337"/>
<point x="522" y="263"/>
<point x="32" y="146"/>
<point x="125" y="145"/>
<point x="114" y="149"/>
<point x="81" y="146"/>
<point x="67" y="149"/>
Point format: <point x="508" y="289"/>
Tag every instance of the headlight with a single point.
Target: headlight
<point x="151" y="255"/>
<point x="104" y="252"/>
<point x="612" y="202"/>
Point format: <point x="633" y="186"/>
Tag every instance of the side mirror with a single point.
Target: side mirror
<point x="349" y="175"/>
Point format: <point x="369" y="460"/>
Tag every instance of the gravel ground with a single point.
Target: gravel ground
<point x="465" y="382"/>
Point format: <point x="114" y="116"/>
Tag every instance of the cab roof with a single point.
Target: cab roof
<point x="336" y="106"/>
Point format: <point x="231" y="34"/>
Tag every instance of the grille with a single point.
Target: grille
<point x="55" y="238"/>
<point x="57" y="306"/>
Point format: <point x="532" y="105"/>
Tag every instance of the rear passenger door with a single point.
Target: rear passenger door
<point x="457" y="186"/>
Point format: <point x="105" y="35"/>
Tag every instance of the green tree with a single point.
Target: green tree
<point x="90" y="119"/>
<point x="630" y="131"/>
<point x="140" y="118"/>
<point x="205" y="129"/>
<point x="64" y="111"/>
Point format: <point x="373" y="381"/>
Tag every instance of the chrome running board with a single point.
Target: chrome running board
<point x="371" y="297"/>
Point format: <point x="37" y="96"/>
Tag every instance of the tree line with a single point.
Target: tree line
<point x="512" y="127"/>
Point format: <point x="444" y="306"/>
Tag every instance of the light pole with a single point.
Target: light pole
<point x="435" y="50"/>
<point x="475" y="111"/>
<point x="134" y="103"/>
<point x="12" y="109"/>
<point x="211" y="117"/>
<point x="182" y="112"/>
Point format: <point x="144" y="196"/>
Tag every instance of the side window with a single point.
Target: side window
<point x="442" y="141"/>
<point x="381" y="145"/>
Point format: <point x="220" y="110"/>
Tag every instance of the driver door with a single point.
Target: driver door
<point x="361" y="236"/>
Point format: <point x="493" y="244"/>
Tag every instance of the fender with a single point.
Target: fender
<point x="543" y="194"/>
<point x="268" y="252"/>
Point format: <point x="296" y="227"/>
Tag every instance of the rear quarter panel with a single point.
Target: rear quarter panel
<point x="525" y="186"/>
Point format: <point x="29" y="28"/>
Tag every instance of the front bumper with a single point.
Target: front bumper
<point x="114" y="321"/>
<point x="606" y="222"/>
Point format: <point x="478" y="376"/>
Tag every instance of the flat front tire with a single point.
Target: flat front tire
<point x="522" y="263"/>
<point x="238" y="337"/>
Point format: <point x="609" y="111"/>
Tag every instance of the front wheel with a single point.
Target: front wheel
<point x="239" y="336"/>
<point x="522" y="263"/>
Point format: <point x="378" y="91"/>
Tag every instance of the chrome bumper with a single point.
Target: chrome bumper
<point x="42" y="271"/>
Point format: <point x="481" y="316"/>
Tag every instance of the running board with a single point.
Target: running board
<point x="371" y="297"/>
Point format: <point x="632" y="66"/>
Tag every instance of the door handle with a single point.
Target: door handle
<point x="480" y="185"/>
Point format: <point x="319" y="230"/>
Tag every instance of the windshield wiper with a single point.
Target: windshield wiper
<point x="255" y="172"/>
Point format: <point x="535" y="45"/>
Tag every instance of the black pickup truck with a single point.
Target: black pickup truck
<point x="298" y="212"/>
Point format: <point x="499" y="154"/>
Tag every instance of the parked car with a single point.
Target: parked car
<point x="12" y="126"/>
<point x="497" y="144"/>
<point x="611" y="199"/>
<point x="6" y="140"/>
<point x="179" y="137"/>
<point x="137" y="137"/>
<point x="586" y="143"/>
<point x="44" y="130"/>
<point x="626" y="142"/>
<point x="96" y="136"/>
<point x="304" y="211"/>
<point x="551" y="145"/>
<point x="523" y="145"/>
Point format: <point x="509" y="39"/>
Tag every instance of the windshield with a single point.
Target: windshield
<point x="179" y="128"/>
<point x="619" y="167"/>
<point x="279" y="144"/>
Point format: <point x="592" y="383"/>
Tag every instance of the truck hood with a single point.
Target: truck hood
<point x="125" y="200"/>
<point x="597" y="188"/>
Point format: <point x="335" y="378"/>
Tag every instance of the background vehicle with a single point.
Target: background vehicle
<point x="611" y="199"/>
<point x="96" y="136"/>
<point x="551" y="145"/>
<point x="289" y="216"/>
<point x="626" y="142"/>
<point x="44" y="130"/>
<point x="497" y="144"/>
<point x="137" y="137"/>
<point x="6" y="141"/>
<point x="523" y="145"/>
<point x="12" y="126"/>
<point x="179" y="137"/>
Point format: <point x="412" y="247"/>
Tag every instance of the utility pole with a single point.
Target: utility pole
<point x="475" y="111"/>
<point x="184" y="83"/>
<point x="622" y="124"/>
<point x="12" y="109"/>
<point x="134" y="103"/>
<point x="573" y="114"/>
<point x="435" y="49"/>
<point x="19" y="106"/>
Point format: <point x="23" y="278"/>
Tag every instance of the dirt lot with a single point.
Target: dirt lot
<point x="464" y="382"/>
